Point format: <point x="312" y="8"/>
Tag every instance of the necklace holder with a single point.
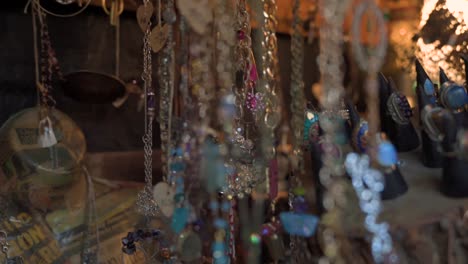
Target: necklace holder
<point x="395" y="114"/>
<point x="426" y="95"/>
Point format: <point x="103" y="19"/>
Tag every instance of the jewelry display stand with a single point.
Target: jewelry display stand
<point x="402" y="134"/>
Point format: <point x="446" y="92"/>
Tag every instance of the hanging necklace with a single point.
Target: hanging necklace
<point x="298" y="244"/>
<point x="145" y="201"/>
<point x="367" y="182"/>
<point x="330" y="60"/>
<point x="166" y="81"/>
<point x="270" y="77"/>
<point x="297" y="83"/>
<point x="370" y="62"/>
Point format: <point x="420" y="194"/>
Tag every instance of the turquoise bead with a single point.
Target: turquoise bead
<point x="219" y="253"/>
<point x="218" y="246"/>
<point x="299" y="224"/>
<point x="387" y="154"/>
<point x="179" y="219"/>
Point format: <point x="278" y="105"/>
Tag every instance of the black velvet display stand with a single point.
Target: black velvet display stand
<point x="455" y="169"/>
<point x="403" y="136"/>
<point x="431" y="157"/>
<point x="395" y="184"/>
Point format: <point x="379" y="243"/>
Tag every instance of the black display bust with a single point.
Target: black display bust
<point x="425" y="91"/>
<point x="454" y="118"/>
<point x="403" y="135"/>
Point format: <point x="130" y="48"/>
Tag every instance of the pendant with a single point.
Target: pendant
<point x="158" y="37"/>
<point x="143" y="14"/>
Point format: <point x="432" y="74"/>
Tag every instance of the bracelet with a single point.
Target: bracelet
<point x="399" y="108"/>
<point x="431" y="129"/>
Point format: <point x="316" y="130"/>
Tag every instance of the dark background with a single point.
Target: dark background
<point x="87" y="42"/>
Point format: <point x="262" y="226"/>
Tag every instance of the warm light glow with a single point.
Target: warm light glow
<point x="459" y="9"/>
<point x="426" y="10"/>
<point x="430" y="56"/>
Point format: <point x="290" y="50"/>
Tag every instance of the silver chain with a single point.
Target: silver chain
<point x="145" y="200"/>
<point x="269" y="78"/>
<point x="330" y="61"/>
<point x="166" y="82"/>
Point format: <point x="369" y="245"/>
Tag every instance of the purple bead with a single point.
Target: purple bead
<point x="151" y="101"/>
<point x="266" y="230"/>
<point x="300" y="204"/>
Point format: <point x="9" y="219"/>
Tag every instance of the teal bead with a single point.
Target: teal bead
<point x="179" y="197"/>
<point x="387" y="154"/>
<point x="219" y="253"/>
<point x="177" y="166"/>
<point x="219" y="247"/>
<point x="179" y="219"/>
